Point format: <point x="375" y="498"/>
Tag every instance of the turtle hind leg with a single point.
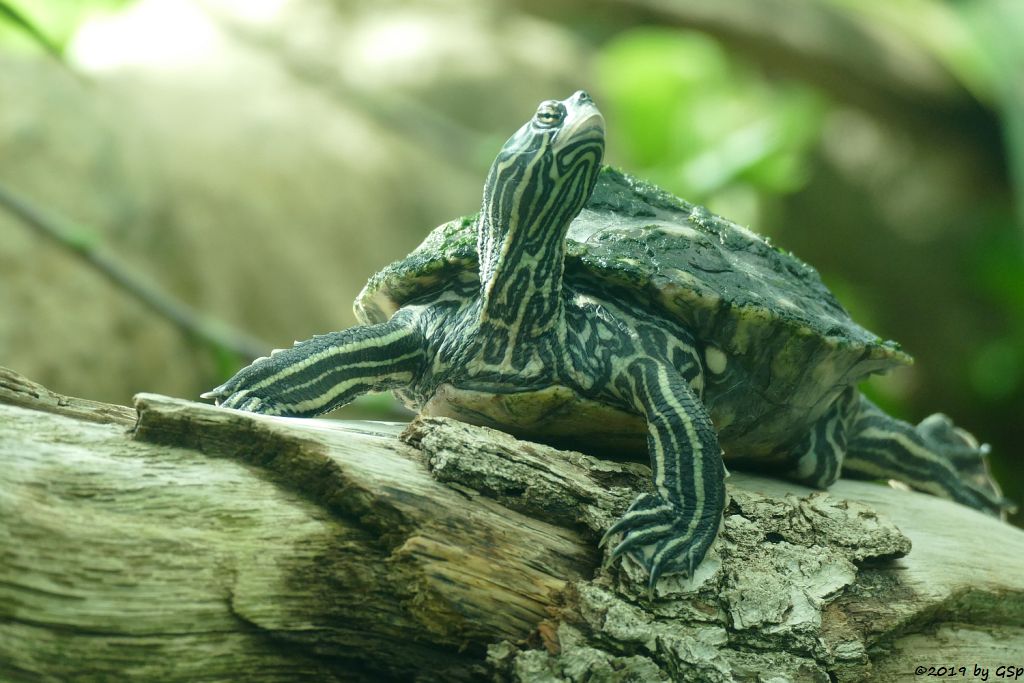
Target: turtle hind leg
<point x="935" y="457"/>
<point x="818" y="458"/>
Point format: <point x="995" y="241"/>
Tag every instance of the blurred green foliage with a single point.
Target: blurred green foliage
<point x="979" y="42"/>
<point x="722" y="131"/>
<point x="997" y="270"/>
<point x="48" y="25"/>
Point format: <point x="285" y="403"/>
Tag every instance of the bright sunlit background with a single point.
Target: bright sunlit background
<point x="258" y="159"/>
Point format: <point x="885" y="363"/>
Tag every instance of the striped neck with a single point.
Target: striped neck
<point x="538" y="183"/>
<point x="522" y="259"/>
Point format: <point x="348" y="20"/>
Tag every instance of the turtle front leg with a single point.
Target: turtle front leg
<point x="934" y="457"/>
<point x="328" y="371"/>
<point x="672" y="528"/>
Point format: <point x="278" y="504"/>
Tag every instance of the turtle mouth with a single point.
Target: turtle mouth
<point x="591" y="122"/>
<point x="585" y="121"/>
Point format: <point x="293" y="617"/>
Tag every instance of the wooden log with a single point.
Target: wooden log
<point x="191" y="542"/>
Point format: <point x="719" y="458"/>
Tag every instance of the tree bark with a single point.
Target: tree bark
<point x="180" y="542"/>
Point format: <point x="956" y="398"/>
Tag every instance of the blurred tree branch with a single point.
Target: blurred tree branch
<point x="216" y="334"/>
<point x="53" y="49"/>
<point x="9" y="13"/>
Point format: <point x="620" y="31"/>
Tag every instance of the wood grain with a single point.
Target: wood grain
<point x="196" y="543"/>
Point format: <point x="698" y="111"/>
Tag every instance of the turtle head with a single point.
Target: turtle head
<point x="537" y="185"/>
<point x="541" y="179"/>
<point x="569" y="131"/>
<point x="547" y="170"/>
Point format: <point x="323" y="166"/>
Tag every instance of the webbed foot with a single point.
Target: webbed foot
<point x="242" y="400"/>
<point x="664" y="538"/>
<point x="231" y="394"/>
<point x="962" y="451"/>
<point x="934" y="456"/>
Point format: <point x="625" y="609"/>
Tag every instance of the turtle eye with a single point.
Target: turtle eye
<point x="549" y="114"/>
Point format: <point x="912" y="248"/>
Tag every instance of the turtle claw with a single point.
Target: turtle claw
<point x="221" y="393"/>
<point x="214" y="393"/>
<point x="663" y="538"/>
<point x="228" y="395"/>
<point x="234" y="394"/>
<point x="242" y="400"/>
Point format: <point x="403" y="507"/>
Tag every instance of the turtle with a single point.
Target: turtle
<point x="582" y="306"/>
